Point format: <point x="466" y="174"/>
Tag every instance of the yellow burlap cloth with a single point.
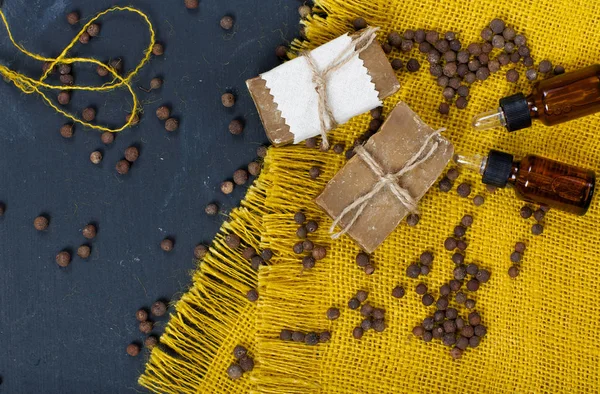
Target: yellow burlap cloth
<point x="543" y="327"/>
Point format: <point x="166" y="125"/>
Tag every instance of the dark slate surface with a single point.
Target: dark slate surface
<point x="65" y="330"/>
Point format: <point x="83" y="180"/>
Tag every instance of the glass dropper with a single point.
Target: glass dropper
<point x="475" y="163"/>
<point x="489" y="120"/>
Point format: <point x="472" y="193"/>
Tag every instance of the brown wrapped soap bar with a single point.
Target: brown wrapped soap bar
<point x="387" y="177"/>
<point x="323" y="88"/>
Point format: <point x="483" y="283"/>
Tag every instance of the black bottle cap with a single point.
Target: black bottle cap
<point x="497" y="169"/>
<point x="516" y="112"/>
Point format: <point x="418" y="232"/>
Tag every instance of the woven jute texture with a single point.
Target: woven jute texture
<point x="542" y="326"/>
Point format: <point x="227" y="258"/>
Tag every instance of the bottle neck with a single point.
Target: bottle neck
<point x="533" y="108"/>
<point x="514" y="172"/>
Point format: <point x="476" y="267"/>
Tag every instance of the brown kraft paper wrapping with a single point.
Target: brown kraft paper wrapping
<point x="278" y="132"/>
<point x="399" y="139"/>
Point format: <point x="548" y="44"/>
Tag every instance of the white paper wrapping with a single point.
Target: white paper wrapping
<point x="350" y="90"/>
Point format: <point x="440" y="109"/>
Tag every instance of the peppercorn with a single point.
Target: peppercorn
<point x="366" y="324"/>
<point x="450" y="243"/>
<point x="252" y="295"/>
<point x="421" y="289"/>
<point x="418" y="331"/>
<point x="513" y="271"/>
<point x="366" y="310"/>
<point x="354" y="303"/>
<point x="460" y="272"/>
<point x="413" y="271"/>
<point x="394" y="39"/>
<point x="538" y="215"/>
<point x="319" y="253"/>
<point x="444" y="109"/>
<point x="338" y="148"/>
<point x="227" y="187"/>
<point x="248" y="252"/>
<point x="459" y="231"/>
<point x="133" y="349"/>
<point x="122" y="167"/>
<point x="256" y="262"/>
<point x="458" y="258"/>
<point x="515" y="57"/>
<point x="398" y="292"/>
<point x="235" y="371"/>
<point x="559" y="70"/>
<point x="67" y="79"/>
<point x="314" y="172"/>
<point x="228" y="100"/>
<point x="298" y="248"/>
<point x="89" y="114"/>
<point x="333" y="313"/>
<point x="66" y="131"/>
<point x="460" y="297"/>
<point x="480" y="330"/>
<point x="482" y="74"/>
<point x="254" y="168"/>
<point x="325" y="336"/>
<point x="73" y="17"/>
<point x="369" y="269"/>
<point x="427" y="299"/>
<point x="445" y="185"/>
<point x="40" y="223"/>
<point x="304" y="11"/>
<point x="537" y="229"/>
<point x="512" y="75"/>
<point x="84" y="38"/>
<point x="478" y="200"/>
<point x="64" y="69"/>
<point x="520" y="247"/>
<point x="463" y="190"/>
<point x="461" y="245"/>
<point x="89" y="231"/>
<point x="171" y="124"/>
<point x="531" y="74"/>
<point x="135" y="119"/>
<point x="461" y="103"/>
<point x="151" y="342"/>
<point x="413" y="65"/>
<point x="107" y="138"/>
<point x="312" y="226"/>
<point x="473" y="284"/>
<point x="93" y="30"/>
<point x="64" y="98"/>
<point x="472" y="269"/>
<point x="166" y="245"/>
<point x="83" y="251"/>
<point x="200" y="251"/>
<point x="159" y="308"/>
<point x="412" y="219"/>
<point x="233" y="241"/>
<point x="163" y="112"/>
<point x="191" y="4"/>
<point x="285" y="335"/>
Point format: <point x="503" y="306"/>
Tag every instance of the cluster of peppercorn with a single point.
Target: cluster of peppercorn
<point x="63" y="258"/>
<point x="316" y="252"/>
<point x="310" y="338"/>
<point x="515" y="257"/>
<point x="363" y="260"/>
<point x="373" y="318"/>
<point x="158" y="309"/>
<point x="456" y="67"/>
<point x="243" y="363"/>
<point x="539" y="215"/>
<point x="464" y="189"/>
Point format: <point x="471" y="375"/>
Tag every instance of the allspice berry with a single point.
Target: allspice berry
<point x="66" y="131"/>
<point x="151" y="342"/>
<point x="93" y="30"/>
<point x="89" y="231"/>
<point x="171" y="124"/>
<point x="40" y="223"/>
<point x="88" y="114"/>
<point x="133" y="349"/>
<point x="131" y="154"/>
<point x="101" y="71"/>
<point x="73" y="17"/>
<point x="141" y="315"/>
<point x="228" y="100"/>
<point x="135" y="119"/>
<point x="67" y="79"/>
<point x="84" y="38"/>
<point x="211" y="209"/>
<point x="281" y="51"/>
<point x="158" y="49"/>
<point x="226" y="22"/>
<point x="96" y="157"/>
<point x="191" y="4"/>
<point x="233" y="241"/>
<point x="227" y="187"/>
<point x="107" y="138"/>
<point x="254" y="168"/>
<point x="122" y="167"/>
<point x="159" y="308"/>
<point x="236" y="127"/>
<point x="146" y="327"/>
<point x="64" y="98"/>
<point x="200" y="251"/>
<point x="166" y="245"/>
<point x="163" y="112"/>
<point x="63" y="259"/>
<point x="240" y="177"/>
<point x="156" y="83"/>
<point x="84" y="251"/>
<point x="64" y="69"/>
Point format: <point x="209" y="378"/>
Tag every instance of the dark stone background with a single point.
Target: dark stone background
<point x="65" y="330"/>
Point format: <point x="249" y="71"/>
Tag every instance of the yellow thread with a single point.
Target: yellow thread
<point x="30" y="85"/>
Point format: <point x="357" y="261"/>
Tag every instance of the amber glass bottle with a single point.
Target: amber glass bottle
<point x="554" y="100"/>
<point x="536" y="179"/>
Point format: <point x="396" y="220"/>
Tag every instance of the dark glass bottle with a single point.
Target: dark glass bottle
<point x="537" y="179"/>
<point x="554" y="100"/>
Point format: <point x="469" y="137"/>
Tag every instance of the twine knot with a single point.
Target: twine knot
<point x="386" y="180"/>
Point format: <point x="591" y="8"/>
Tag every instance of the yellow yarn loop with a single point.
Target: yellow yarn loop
<point x="30" y="85"/>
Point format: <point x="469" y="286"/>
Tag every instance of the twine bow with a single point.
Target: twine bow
<point x="389" y="180"/>
<point x="357" y="46"/>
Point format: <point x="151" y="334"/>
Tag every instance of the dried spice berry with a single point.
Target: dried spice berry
<point x="228" y="100"/>
<point x="73" y="17"/>
<point x="461" y="245"/>
<point x="171" y="124"/>
<point x="450" y="243"/>
<point x="325" y="336"/>
<point x="398" y="292"/>
<point x="163" y="112"/>
<point x="357" y="332"/>
<point x="311" y="338"/>
<point x="319" y="253"/>
<point x="470" y="304"/>
<point x="460" y="297"/>
<point x="93" y="30"/>
<point x="480" y="330"/>
<point x="63" y="259"/>
<point x="445" y="184"/>
<point x="432" y="36"/>
<point x="159" y="308"/>
<point x="478" y="200"/>
<point x="200" y="251"/>
<point x="89" y="231"/>
<point x="122" y="167"/>
<point x="460" y="272"/>
<point x="461" y="103"/>
<point x="307" y="245"/>
<point x="151" y="342"/>
<point x="473" y="284"/>
<point x="359" y="23"/>
<point x="64" y="98"/>
<point x="448" y="93"/>
<point x="516" y="257"/>
<point x="539" y="215"/>
<point x="314" y="172"/>
<point x="235" y="372"/>
<point x="227" y="187"/>
<point x="146" y="327"/>
<point x="412" y="219"/>
<point x="133" y="349"/>
<point x="240" y="177"/>
<point x="254" y="168"/>
<point x="455" y="285"/>
<point x="191" y="4"/>
<point x="498" y="41"/>
<point x="369" y="269"/>
<point x="141" y="315"/>
<point x="312" y="226"/>
<point x="427" y="299"/>
<point x="512" y="75"/>
<point x="459" y="231"/>
<point x="333" y="313"/>
<point x="338" y="148"/>
<point x="559" y="70"/>
<point x="463" y="190"/>
<point x="211" y="209"/>
<point x="458" y="258"/>
<point x="362" y="295"/>
<point x="67" y="79"/>
<point x="531" y="74"/>
<point x="40" y="223"/>
<point x="354" y="303"/>
<point x="298" y="336"/>
<point x="285" y="335"/>
<point x="304" y="11"/>
<point x="299" y="217"/>
<point x="84" y="38"/>
<point x="64" y="69"/>
<point x="537" y="229"/>
<point x="252" y="295"/>
<point x="66" y="131"/>
<point x="426" y="258"/>
<point x="366" y="310"/>
<point x="526" y="212"/>
<point x="166" y="245"/>
<point x="413" y="271"/>
<point x="513" y="271"/>
<point x="233" y="241"/>
<point x="418" y="331"/>
<point x="256" y="262"/>
<point x="248" y="252"/>
<point x="107" y="138"/>
<point x="298" y="248"/>
<point x="281" y="51"/>
<point x="236" y="127"/>
<point x="413" y="65"/>
<point x="421" y="289"/>
<point x="515" y="57"/>
<point x="131" y="154"/>
<point x="88" y="114"/>
<point x="520" y="247"/>
<point x="483" y="276"/>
